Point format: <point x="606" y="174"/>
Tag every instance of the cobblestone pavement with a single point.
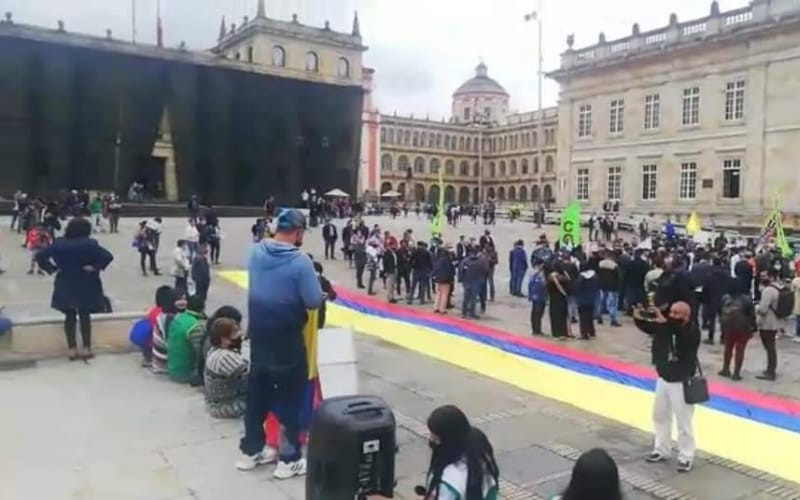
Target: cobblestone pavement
<point x="158" y="442"/>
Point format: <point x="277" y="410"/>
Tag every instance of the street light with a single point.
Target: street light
<point x="479" y="120"/>
<point x="536" y="16"/>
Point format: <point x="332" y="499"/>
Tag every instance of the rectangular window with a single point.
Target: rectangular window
<point x="582" y="193"/>
<point x="731" y="178"/>
<point x="466" y="114"/>
<point x="616" y="116"/>
<point x="649" y="182"/>
<point x="691" y="106"/>
<point x="614" y="190"/>
<point x="652" y="112"/>
<point x="487" y="113"/>
<point x="688" y="181"/>
<point x="734" y="100"/>
<point x="585" y="120"/>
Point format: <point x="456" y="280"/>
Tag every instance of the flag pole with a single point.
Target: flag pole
<point x="133" y="21"/>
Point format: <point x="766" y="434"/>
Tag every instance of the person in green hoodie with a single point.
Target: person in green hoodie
<point x="96" y="209"/>
<point x="184" y="341"/>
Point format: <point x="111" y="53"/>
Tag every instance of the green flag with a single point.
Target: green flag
<point x="780" y="237"/>
<point x="437" y="224"/>
<point x="571" y="224"/>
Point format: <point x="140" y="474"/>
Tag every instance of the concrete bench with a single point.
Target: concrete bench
<point x="41" y="338"/>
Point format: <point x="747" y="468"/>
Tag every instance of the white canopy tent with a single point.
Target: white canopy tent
<point x="391" y="194"/>
<point x="337" y="193"/>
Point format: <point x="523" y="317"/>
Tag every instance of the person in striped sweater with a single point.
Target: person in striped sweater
<point x="226" y="370"/>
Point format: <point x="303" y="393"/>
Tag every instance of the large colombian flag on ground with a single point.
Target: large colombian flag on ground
<point x="752" y="428"/>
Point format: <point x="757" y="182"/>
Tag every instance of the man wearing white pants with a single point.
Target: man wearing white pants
<point x="674" y="350"/>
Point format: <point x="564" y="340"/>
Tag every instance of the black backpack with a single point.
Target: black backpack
<point x="785" y="306"/>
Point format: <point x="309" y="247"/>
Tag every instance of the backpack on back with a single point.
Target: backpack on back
<point x="732" y="316"/>
<point x="785" y="305"/>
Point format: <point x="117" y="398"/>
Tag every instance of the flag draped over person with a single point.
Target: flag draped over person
<point x="693" y="224"/>
<point x="570" y="226"/>
<point x="437" y="224"/>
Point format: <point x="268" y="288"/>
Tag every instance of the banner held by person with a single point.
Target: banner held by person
<point x="693" y="224"/>
<point x="570" y="225"/>
<point x="437" y="224"/>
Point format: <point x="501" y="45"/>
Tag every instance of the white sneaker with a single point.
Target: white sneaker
<point x="265" y="456"/>
<point x="285" y="470"/>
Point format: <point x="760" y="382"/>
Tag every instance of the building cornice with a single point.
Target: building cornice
<point x="293" y="30"/>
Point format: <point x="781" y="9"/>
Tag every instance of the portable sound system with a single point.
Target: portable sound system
<point x="351" y="449"/>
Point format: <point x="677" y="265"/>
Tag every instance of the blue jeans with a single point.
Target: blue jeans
<point x="419" y="281"/>
<point x="515" y="284"/>
<point x="609" y="299"/>
<point x="471" y="292"/>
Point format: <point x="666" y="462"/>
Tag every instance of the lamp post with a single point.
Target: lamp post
<point x="479" y="120"/>
<point x="536" y="16"/>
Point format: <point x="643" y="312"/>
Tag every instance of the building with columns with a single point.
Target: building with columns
<point x="484" y="151"/>
<point x="699" y="115"/>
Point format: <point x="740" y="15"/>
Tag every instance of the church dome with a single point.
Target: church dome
<point x="480" y="84"/>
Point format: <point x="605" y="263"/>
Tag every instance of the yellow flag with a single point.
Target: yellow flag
<point x="693" y="224"/>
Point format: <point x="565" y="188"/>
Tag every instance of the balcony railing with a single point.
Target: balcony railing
<point x="716" y="23"/>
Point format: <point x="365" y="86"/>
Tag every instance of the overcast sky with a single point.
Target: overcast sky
<point x="421" y="49"/>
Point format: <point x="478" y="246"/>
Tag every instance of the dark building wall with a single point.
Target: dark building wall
<point x="237" y="136"/>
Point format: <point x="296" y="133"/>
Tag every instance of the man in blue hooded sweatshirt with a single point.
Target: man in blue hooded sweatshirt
<point x="517" y="266"/>
<point x="282" y="288"/>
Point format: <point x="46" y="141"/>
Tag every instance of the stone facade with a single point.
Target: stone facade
<point x="516" y="162"/>
<point x="700" y="115"/>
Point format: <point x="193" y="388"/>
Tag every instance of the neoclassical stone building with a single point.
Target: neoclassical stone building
<point x="484" y="151"/>
<point x="699" y="115"/>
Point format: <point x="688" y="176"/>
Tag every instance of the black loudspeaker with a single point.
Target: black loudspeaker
<point x="351" y="449"/>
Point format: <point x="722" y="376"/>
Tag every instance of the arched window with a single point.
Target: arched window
<point x="501" y="193"/>
<point x="278" y="56"/>
<point x="407" y="138"/>
<point x="449" y="194"/>
<point x="438" y="140"/>
<point x="535" y="193"/>
<point x="312" y="62"/>
<point x="512" y="193"/>
<point x="490" y="193"/>
<point x="422" y="138"/>
<point x="524" y="166"/>
<point x="402" y="164"/>
<point x="469" y="144"/>
<point x="492" y="170"/>
<point x="401" y="188"/>
<point x="419" y="165"/>
<point x="415" y="140"/>
<point x="523" y="193"/>
<point x="344" y="68"/>
<point x="386" y="187"/>
<point x="449" y="167"/>
<point x="513" y="167"/>
<point x="250" y="54"/>
<point x="433" y="194"/>
<point x="536" y="165"/>
<point x="502" y="168"/>
<point x="547" y="192"/>
<point x="548" y="165"/>
<point x="419" y="192"/>
<point x="476" y="195"/>
<point x="476" y="170"/>
<point x="386" y="163"/>
<point x="463" y="168"/>
<point x="435" y="164"/>
<point x="461" y="144"/>
<point x="447" y="142"/>
<point x="432" y="140"/>
<point x="463" y="195"/>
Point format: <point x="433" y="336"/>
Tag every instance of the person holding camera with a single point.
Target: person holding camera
<point x="676" y="340"/>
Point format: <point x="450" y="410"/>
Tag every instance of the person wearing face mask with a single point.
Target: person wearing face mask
<point x="225" y="370"/>
<point x="283" y="287"/>
<point x="676" y="340"/>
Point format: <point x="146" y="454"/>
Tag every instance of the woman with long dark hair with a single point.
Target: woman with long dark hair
<point x="557" y="291"/>
<point x="594" y="477"/>
<point x="77" y="260"/>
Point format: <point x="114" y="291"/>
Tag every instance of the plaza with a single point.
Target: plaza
<point x="112" y="430"/>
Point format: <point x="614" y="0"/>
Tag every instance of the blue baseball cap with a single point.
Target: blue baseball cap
<point x="291" y="219"/>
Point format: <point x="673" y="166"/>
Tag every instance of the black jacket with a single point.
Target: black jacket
<point x="391" y="261"/>
<point x="609" y="274"/>
<point x="686" y="341"/>
<point x="329" y="232"/>
<point x="421" y="261"/>
<point x="635" y="270"/>
<point x="717" y="284"/>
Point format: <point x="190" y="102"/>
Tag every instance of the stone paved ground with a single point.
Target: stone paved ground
<point x="111" y="431"/>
